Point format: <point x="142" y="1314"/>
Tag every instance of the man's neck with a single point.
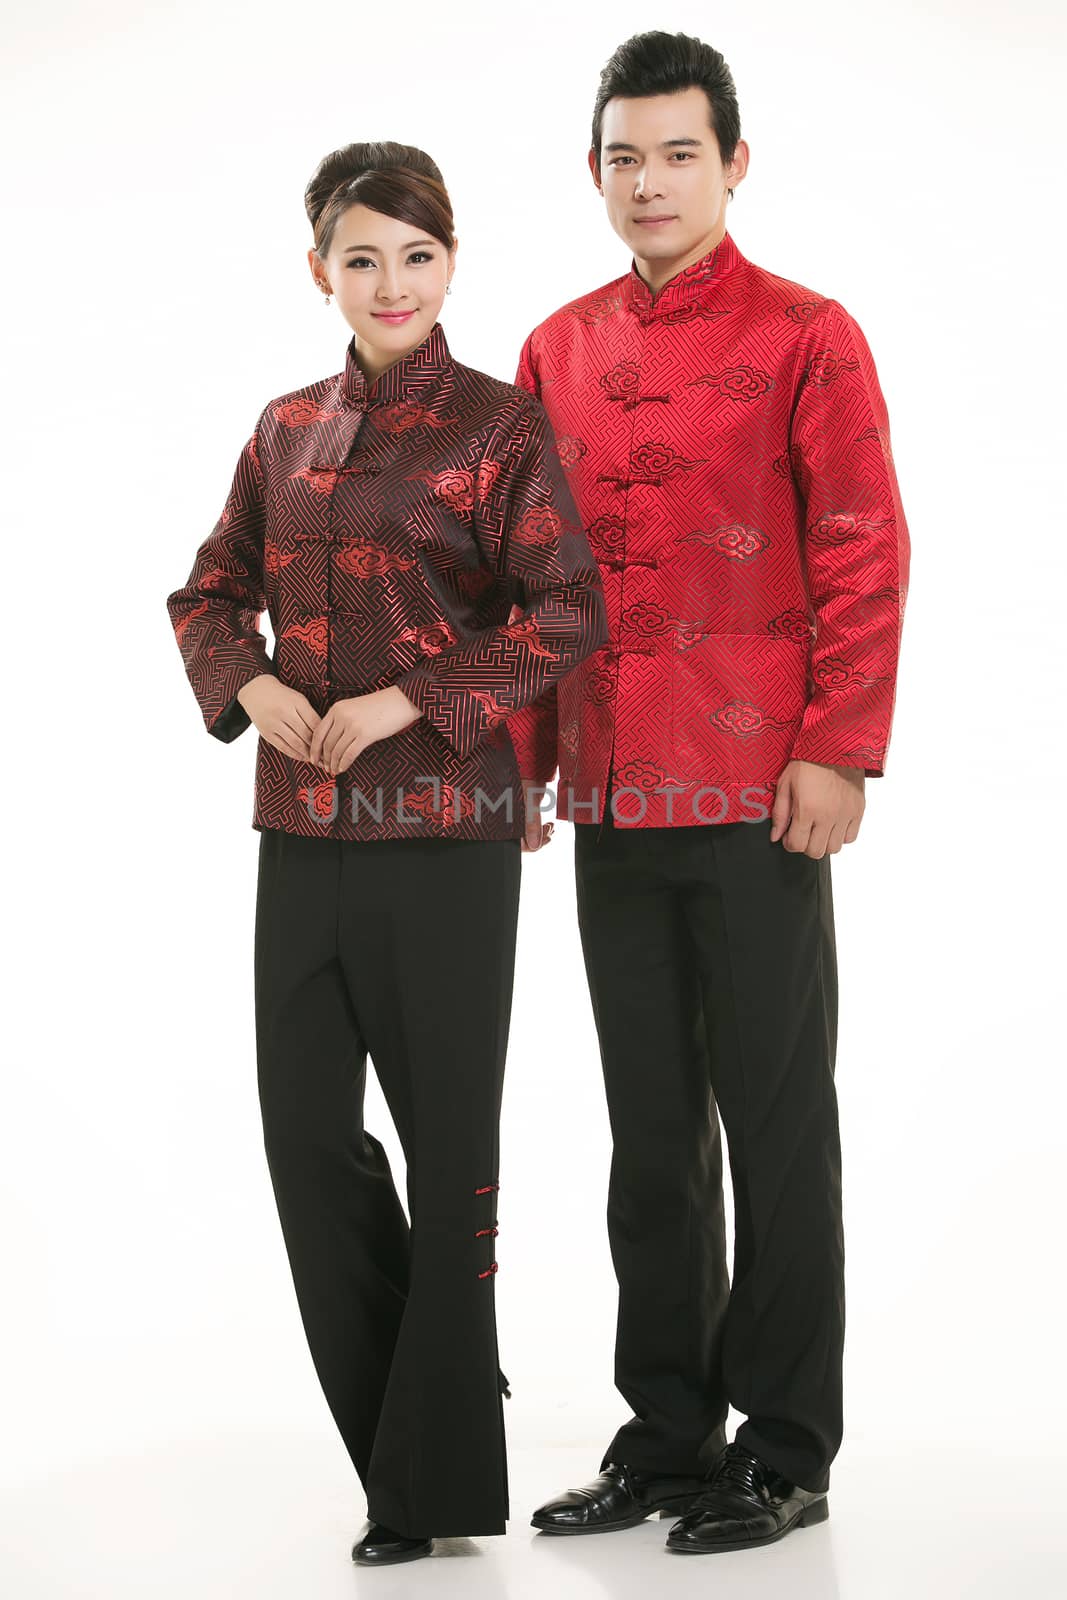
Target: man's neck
<point x="657" y="274"/>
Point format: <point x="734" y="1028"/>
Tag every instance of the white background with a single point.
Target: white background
<point x="163" y="1426"/>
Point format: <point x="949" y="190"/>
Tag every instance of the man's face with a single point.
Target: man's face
<point x="660" y="159"/>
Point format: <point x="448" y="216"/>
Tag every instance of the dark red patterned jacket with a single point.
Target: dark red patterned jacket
<point x="387" y="529"/>
<point x="728" y="447"/>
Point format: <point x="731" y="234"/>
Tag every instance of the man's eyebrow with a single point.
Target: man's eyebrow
<point x="410" y="245"/>
<point x="666" y="144"/>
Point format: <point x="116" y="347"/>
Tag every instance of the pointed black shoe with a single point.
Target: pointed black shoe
<point x="619" y="1497"/>
<point x="745" y="1503"/>
<point x="379" y="1546"/>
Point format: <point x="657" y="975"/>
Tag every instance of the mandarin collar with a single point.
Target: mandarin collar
<point x="407" y="378"/>
<point x="687" y="287"/>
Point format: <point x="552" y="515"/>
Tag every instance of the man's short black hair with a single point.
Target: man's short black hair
<point x="665" y="63"/>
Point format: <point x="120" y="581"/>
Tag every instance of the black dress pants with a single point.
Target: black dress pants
<point x="711" y="961"/>
<point x="404" y="949"/>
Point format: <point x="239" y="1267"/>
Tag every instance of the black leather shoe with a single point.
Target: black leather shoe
<point x="620" y="1497"/>
<point x="379" y="1546"/>
<point x="745" y="1503"/>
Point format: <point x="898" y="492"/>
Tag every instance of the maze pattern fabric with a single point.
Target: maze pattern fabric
<point x="387" y="529"/>
<point x="728" y="447"/>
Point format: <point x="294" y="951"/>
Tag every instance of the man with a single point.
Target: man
<point x="727" y="441"/>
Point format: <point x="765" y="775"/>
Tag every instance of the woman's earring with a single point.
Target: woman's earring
<point x="448" y="288"/>
<point x="327" y="296"/>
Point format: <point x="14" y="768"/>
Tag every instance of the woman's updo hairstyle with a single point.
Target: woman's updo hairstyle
<point x="399" y="180"/>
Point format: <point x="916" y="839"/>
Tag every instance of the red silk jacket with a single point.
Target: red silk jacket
<point x="728" y="447"/>
<point x="387" y="529"/>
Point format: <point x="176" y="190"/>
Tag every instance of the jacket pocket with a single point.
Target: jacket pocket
<point x="737" y="702"/>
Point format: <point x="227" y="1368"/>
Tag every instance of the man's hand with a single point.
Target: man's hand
<point x="817" y="808"/>
<point x="538" y="832"/>
<point x="284" y="716"/>
<point x="351" y="725"/>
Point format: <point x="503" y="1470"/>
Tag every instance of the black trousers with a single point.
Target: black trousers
<point x="711" y="961"/>
<point x="404" y="949"/>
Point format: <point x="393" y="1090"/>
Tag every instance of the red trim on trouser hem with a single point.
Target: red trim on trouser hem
<point x="483" y="1233"/>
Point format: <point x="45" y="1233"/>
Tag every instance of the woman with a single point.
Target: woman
<point x="387" y="518"/>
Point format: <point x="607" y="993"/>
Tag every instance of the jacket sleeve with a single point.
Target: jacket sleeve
<point x="528" y="526"/>
<point x="535" y="729"/>
<point x="856" y="546"/>
<point x="215" y="615"/>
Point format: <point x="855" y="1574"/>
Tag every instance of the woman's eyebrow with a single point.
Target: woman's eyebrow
<point x="408" y="246"/>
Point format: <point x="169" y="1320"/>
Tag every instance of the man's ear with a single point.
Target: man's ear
<point x="594" y="168"/>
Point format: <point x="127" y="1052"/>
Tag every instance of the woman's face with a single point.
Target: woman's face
<point x="376" y="266"/>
